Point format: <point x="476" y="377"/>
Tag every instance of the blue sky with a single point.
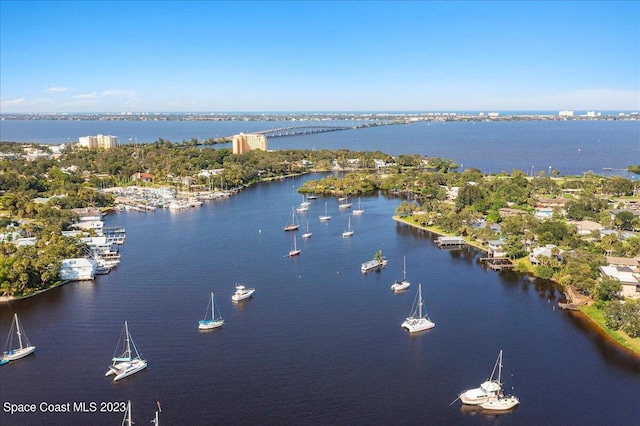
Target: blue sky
<point x="84" y="56"/>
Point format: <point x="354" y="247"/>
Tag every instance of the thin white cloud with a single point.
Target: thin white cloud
<point x="24" y="102"/>
<point x="125" y="93"/>
<point x="55" y="89"/>
<point x="91" y="95"/>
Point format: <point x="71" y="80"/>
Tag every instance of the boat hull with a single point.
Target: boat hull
<point x="18" y="353"/>
<point x="241" y="296"/>
<point x="126" y="369"/>
<point x="400" y="286"/>
<point x="294" y="253"/>
<point x="501" y="404"/>
<point x="479" y="395"/>
<point x="210" y="324"/>
<point x="414" y="325"/>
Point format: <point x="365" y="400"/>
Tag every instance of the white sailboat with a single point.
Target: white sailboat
<point x="293" y="224"/>
<point x="359" y="210"/>
<point x="127" y="420"/>
<point x="307" y="234"/>
<point x="326" y="215"/>
<point x="304" y="202"/>
<point x="130" y="359"/>
<point x="213" y="322"/>
<point x="489" y="389"/>
<point x="418" y="321"/>
<point x="404" y="284"/>
<point x="295" y="251"/>
<point x="242" y="293"/>
<point x="345" y="205"/>
<point x="349" y="231"/>
<point x="24" y="347"/>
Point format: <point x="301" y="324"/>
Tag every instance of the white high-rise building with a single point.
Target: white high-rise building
<point x="98" y="141"/>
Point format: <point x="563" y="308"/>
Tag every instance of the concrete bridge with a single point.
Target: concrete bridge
<point x="301" y="130"/>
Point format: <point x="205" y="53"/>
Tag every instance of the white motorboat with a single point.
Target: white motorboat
<point x="489" y="389"/>
<point x="295" y="251"/>
<point x="326" y="215"/>
<point x="242" y="293"/>
<point x="24" y="347"/>
<point x="404" y="284"/>
<point x="214" y="321"/>
<point x="129" y="361"/>
<point x="349" y="231"/>
<point x="419" y="320"/>
<point x="502" y="403"/>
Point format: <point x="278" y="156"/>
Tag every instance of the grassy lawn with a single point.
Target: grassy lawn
<point x="623" y="338"/>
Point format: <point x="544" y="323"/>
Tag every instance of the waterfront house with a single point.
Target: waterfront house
<point x="495" y="248"/>
<point x="78" y="269"/>
<point x="624" y="274"/>
<point x="546" y="251"/>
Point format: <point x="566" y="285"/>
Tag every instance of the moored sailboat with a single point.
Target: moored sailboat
<point x="404" y="284"/>
<point x="130" y="359"/>
<point x="295" y="251"/>
<point x="23" y="348"/>
<point x="326" y="215"/>
<point x="349" y="231"/>
<point x="214" y="321"/>
<point x="293" y="224"/>
<point x="419" y="320"/>
<point x="359" y="210"/>
<point x="307" y="234"/>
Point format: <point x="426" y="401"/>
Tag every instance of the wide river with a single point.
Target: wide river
<point x="319" y="343"/>
<point x="571" y="147"/>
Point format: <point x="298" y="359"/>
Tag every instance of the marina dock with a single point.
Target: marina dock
<point x="498" y="263"/>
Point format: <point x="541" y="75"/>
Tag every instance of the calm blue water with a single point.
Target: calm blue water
<point x="319" y="343"/>
<point x="571" y="147"/>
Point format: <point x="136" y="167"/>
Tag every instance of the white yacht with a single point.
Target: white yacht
<point x="488" y="390"/>
<point x="501" y="403"/>
<point x="24" y="347"/>
<point x="242" y="293"/>
<point x="404" y="284"/>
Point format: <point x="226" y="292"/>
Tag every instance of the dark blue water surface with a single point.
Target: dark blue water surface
<point x="571" y="147"/>
<point x="319" y="343"/>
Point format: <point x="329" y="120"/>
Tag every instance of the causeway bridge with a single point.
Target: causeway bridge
<point x="301" y="130"/>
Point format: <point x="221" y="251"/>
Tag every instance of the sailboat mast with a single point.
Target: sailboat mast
<point x="18" y="330"/>
<point x="404" y="268"/>
<point x="126" y="331"/>
<point x="420" y="301"/>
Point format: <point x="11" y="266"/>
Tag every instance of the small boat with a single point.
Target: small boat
<point x="418" y="321"/>
<point x="213" y="322"/>
<point x="349" y="231"/>
<point x="242" y="293"/>
<point x="488" y="390"/>
<point x="312" y="197"/>
<point x="129" y="361"/>
<point x="307" y="234"/>
<point x="345" y="204"/>
<point x="295" y="251"/>
<point x="379" y="261"/>
<point x="501" y="403"/>
<point x="23" y="348"/>
<point x="326" y="216"/>
<point x="304" y="202"/>
<point x="359" y="210"/>
<point x="293" y="224"/>
<point x="302" y="209"/>
<point x="404" y="284"/>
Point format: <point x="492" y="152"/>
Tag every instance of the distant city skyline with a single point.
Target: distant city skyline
<point x="217" y="56"/>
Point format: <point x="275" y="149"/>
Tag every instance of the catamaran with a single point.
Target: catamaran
<point x="24" y="347"/>
<point x="404" y="284"/>
<point x="489" y="389"/>
<point x="418" y="321"/>
<point x="293" y="224"/>
<point x="130" y="359"/>
<point x="213" y="322"/>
